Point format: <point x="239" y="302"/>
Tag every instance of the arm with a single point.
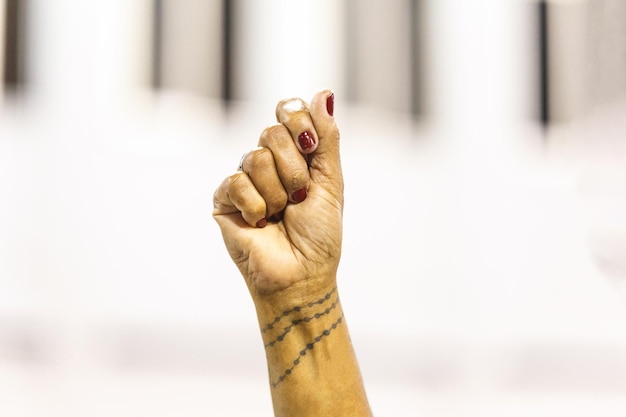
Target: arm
<point x="281" y="218"/>
<point x="312" y="366"/>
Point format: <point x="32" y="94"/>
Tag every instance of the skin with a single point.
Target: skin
<point x="290" y="262"/>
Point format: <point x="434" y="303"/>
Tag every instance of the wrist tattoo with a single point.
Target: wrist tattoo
<point x="301" y="316"/>
<point x="296" y="322"/>
<point x="309" y="346"/>
<point x="296" y="309"/>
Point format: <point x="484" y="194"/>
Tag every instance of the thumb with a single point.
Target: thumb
<point x="234" y="231"/>
<point x="325" y="163"/>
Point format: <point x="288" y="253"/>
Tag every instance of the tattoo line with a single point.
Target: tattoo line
<point x="309" y="346"/>
<point x="285" y="313"/>
<point x="302" y="320"/>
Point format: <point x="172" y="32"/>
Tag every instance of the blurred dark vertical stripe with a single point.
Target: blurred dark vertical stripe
<point x="544" y="71"/>
<point x="227" y="49"/>
<point x="417" y="36"/>
<point x="157" y="44"/>
<point x="15" y="44"/>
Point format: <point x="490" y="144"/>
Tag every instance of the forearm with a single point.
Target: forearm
<point x="312" y="367"/>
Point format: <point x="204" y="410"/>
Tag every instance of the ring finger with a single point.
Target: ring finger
<point x="260" y="167"/>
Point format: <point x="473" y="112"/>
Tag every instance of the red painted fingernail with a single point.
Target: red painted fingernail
<point x="299" y="196"/>
<point x="330" y="104"/>
<point x="306" y="140"/>
<point x="261" y="223"/>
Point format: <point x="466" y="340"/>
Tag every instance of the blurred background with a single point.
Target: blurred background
<point x="490" y="282"/>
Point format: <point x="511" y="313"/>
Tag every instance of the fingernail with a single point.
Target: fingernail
<point x="299" y="196"/>
<point x="330" y="104"/>
<point x="306" y="140"/>
<point x="261" y="223"/>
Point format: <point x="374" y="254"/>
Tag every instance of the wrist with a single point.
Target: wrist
<point x="294" y="299"/>
<point x="312" y="367"/>
<point x="297" y="332"/>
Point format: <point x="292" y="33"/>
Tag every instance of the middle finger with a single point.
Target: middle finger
<point x="291" y="166"/>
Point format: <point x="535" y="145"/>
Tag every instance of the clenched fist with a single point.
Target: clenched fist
<point x="281" y="213"/>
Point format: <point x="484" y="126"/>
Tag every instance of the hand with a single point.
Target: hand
<point x="294" y="180"/>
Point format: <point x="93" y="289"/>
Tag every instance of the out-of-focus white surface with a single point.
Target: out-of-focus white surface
<point x="287" y="44"/>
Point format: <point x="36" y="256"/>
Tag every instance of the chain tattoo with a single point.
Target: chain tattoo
<point x="309" y="346"/>
<point x="296" y="309"/>
<point x="298" y="321"/>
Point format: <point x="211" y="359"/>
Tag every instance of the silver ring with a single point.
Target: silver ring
<point x="240" y="167"/>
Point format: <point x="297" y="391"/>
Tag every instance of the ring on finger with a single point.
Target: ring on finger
<point x="240" y="166"/>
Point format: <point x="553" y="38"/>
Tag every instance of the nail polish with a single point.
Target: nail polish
<point x="306" y="140"/>
<point x="261" y="223"/>
<point x="330" y="104"/>
<point x="299" y="196"/>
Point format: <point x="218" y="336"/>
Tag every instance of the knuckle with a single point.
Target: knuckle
<point x="259" y="159"/>
<point x="290" y="105"/>
<point x="272" y="134"/>
<point x="237" y="181"/>
<point x="278" y="200"/>
<point x="295" y="178"/>
<point x="257" y="210"/>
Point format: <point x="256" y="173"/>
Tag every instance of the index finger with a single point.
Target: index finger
<point x="323" y="152"/>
